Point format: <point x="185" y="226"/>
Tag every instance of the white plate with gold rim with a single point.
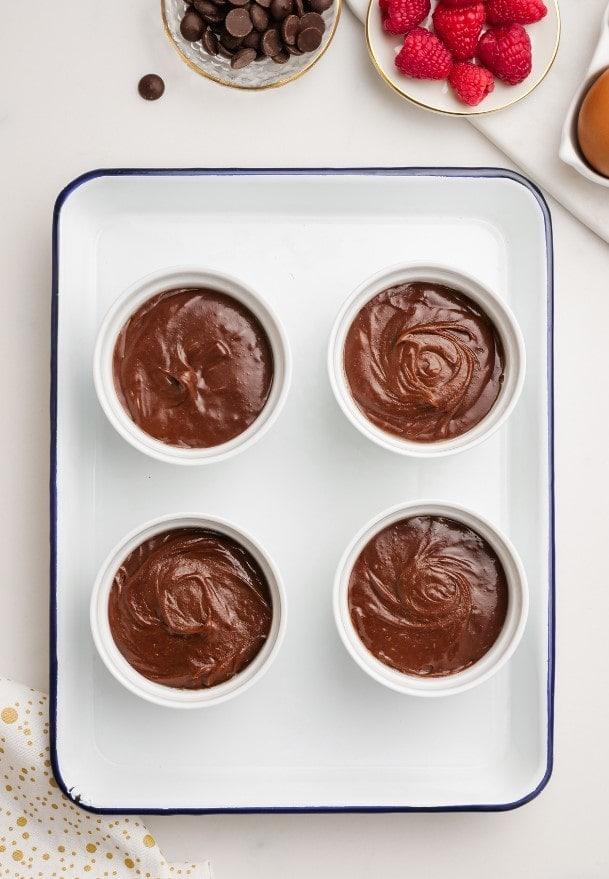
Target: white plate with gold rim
<point x="438" y="96"/>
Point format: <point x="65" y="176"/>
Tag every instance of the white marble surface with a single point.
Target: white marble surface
<point x="68" y="104"/>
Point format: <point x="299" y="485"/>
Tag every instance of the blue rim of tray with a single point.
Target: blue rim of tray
<point x="235" y="172"/>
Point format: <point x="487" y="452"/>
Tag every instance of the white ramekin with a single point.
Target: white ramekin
<point x="173" y="697"/>
<point x="491" y="662"/>
<point x="121" y="311"/>
<point x="499" y="313"/>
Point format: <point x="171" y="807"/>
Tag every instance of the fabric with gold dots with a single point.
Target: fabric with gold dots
<point x="43" y="835"/>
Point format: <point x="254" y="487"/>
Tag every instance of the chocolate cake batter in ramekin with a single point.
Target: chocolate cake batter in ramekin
<point x="191" y="366"/>
<point x="188" y="611"/>
<point x="430" y="599"/>
<point x="189" y="608"/>
<point x="425" y="360"/>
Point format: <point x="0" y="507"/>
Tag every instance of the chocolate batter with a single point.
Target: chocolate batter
<point x="190" y="608"/>
<point x="423" y="362"/>
<point x="193" y="367"/>
<point x="428" y="596"/>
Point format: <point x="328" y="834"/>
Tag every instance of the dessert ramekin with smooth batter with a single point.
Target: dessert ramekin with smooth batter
<point x="490" y="306"/>
<point x="177" y="697"/>
<point x="507" y="639"/>
<point x="180" y="279"/>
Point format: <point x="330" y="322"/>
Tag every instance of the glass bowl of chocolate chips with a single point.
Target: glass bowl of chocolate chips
<point x="251" y="44"/>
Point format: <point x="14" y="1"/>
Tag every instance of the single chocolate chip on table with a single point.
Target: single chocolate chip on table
<point x="238" y="23"/>
<point x="151" y="87"/>
<point x="192" y="26"/>
<point x="309" y="39"/>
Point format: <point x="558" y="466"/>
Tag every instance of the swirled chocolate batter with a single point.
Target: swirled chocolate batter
<point x="423" y="362"/>
<point x="428" y="596"/>
<point x="193" y="367"/>
<point x="190" y="608"/>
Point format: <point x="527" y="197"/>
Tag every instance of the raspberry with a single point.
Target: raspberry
<point x="400" y="16"/>
<point x="515" y="11"/>
<point x="460" y="3"/>
<point x="506" y="51"/>
<point x="423" y="56"/>
<point x="471" y="83"/>
<point x="460" y="28"/>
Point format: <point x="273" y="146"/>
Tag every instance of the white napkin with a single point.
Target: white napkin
<point x="42" y="833"/>
<point x="529" y="133"/>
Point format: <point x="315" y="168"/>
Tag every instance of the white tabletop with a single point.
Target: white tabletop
<point x="68" y="103"/>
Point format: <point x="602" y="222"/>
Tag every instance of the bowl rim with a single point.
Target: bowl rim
<point x="458" y="113"/>
<point x="492" y="661"/>
<point x="124" y="306"/>
<point x="496" y="309"/>
<point x="251" y="88"/>
<point x="160" y="694"/>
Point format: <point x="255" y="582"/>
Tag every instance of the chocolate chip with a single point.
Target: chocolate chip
<point x="280" y="9"/>
<point x="271" y="44"/>
<point x="289" y="29"/>
<point x="151" y="87"/>
<point x="229" y="42"/>
<point x="260" y="17"/>
<point x="309" y="39"/>
<point x="252" y="41"/>
<point x="210" y="42"/>
<point x="191" y="26"/>
<point x="238" y="23"/>
<point x="242" y="58"/>
<point x="209" y="11"/>
<point x="314" y="20"/>
<point x="234" y="28"/>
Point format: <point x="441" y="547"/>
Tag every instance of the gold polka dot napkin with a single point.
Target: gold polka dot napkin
<point x="43" y="835"/>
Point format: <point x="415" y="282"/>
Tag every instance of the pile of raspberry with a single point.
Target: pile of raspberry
<point x="472" y="42"/>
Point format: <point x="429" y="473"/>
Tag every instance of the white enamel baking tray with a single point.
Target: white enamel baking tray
<point x="316" y="733"/>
